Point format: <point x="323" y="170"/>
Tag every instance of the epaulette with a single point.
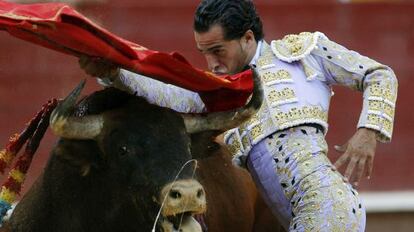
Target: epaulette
<point x="295" y="47"/>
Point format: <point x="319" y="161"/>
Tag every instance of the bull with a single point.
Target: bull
<point x="123" y="164"/>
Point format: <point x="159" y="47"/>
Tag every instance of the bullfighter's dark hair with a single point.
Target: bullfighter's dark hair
<point x="235" y="16"/>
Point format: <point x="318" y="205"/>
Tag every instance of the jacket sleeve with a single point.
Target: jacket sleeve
<point x="377" y="82"/>
<point x="157" y="92"/>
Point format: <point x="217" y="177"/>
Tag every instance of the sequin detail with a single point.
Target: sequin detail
<point x="320" y="200"/>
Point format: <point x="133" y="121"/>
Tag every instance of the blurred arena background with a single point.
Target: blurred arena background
<point x="382" y="30"/>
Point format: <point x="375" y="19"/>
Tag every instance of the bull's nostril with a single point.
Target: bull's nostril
<point x="200" y="193"/>
<point x="175" y="194"/>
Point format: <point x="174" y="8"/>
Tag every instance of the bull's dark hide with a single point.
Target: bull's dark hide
<point x="108" y="184"/>
<point x="112" y="183"/>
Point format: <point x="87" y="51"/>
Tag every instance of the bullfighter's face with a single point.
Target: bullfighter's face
<point x="225" y="56"/>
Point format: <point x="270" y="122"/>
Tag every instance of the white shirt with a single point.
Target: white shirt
<point x="257" y="54"/>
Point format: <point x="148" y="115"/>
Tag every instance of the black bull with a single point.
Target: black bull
<point x="121" y="161"/>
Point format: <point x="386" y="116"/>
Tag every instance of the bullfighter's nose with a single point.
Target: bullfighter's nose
<point x="183" y="196"/>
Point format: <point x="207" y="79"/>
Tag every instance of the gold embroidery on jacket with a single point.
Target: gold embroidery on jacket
<point x="280" y="76"/>
<point x="294" y="47"/>
<point x="381" y="91"/>
<point x="256" y="131"/>
<point x="245" y="141"/>
<point x="295" y="114"/>
<point x="379" y="122"/>
<point x="379" y="106"/>
<point x="234" y="145"/>
<point x="286" y="95"/>
<point x="295" y="43"/>
<point x="264" y="61"/>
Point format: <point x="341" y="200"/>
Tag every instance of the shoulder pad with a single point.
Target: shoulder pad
<point x="295" y="47"/>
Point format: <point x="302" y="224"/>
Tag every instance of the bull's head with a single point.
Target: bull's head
<point x="145" y="148"/>
<point x="90" y="127"/>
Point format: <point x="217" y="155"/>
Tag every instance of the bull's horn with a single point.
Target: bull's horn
<point x="67" y="126"/>
<point x="222" y="121"/>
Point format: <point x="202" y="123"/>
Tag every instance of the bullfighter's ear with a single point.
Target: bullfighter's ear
<point x="203" y="144"/>
<point x="82" y="154"/>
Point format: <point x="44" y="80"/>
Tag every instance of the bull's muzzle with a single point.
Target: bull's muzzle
<point x="180" y="201"/>
<point x="182" y="197"/>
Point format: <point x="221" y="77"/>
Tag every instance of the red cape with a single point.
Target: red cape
<point x="59" y="27"/>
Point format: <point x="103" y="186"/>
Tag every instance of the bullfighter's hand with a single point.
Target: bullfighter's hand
<point x="358" y="152"/>
<point x="97" y="67"/>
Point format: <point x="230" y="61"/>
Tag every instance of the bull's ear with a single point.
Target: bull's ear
<point x="203" y="144"/>
<point x="82" y="154"/>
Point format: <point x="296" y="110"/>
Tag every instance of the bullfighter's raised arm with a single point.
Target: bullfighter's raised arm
<point x="155" y="92"/>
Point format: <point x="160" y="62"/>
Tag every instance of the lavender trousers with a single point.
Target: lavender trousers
<point x="300" y="185"/>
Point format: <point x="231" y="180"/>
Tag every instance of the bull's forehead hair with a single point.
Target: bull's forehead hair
<point x="101" y="101"/>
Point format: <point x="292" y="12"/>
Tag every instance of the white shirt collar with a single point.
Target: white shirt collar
<point x="257" y="54"/>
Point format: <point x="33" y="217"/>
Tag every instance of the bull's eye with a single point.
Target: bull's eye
<point x="123" y="150"/>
